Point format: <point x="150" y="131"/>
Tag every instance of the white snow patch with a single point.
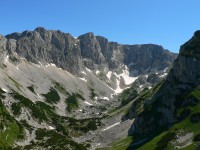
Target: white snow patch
<point x="98" y="144"/>
<point x="88" y="103"/>
<point x="111" y="126"/>
<point x="83" y="79"/>
<point x="5" y="90"/>
<point x="118" y="89"/>
<point x="126" y="75"/>
<point x="51" y="128"/>
<point x="6" y="58"/>
<point x="165" y="74"/>
<point x="47" y="65"/>
<point x="53" y="65"/>
<point x="80" y="110"/>
<point x="106" y="98"/>
<point x="83" y="72"/>
<point x="88" y="70"/>
<point x="165" y="70"/>
<point x="40" y="63"/>
<point x="15" y="53"/>
<point x="39" y="96"/>
<point x="109" y="74"/>
<point x="17" y="67"/>
<point x="97" y="72"/>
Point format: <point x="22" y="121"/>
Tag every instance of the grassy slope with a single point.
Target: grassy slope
<point x="11" y="130"/>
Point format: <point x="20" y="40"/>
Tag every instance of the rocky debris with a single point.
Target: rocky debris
<point x="182" y="140"/>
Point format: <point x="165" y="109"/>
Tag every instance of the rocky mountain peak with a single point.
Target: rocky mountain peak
<point x="192" y="47"/>
<point x="89" y="35"/>
<point x="40" y="29"/>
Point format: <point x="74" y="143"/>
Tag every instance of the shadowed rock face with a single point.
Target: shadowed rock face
<point x="182" y="78"/>
<point x="94" y="52"/>
<point x="186" y="68"/>
<point x="147" y="57"/>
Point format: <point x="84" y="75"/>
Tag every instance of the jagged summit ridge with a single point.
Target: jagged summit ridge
<point x="94" y="52"/>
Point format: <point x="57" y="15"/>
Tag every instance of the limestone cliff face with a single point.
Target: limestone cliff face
<point x="94" y="52"/>
<point x="147" y="57"/>
<point x="42" y="46"/>
<point x="160" y="109"/>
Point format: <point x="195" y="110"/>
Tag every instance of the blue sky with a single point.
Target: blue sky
<point x="164" y="22"/>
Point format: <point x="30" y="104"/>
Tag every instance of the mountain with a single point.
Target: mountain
<point x="95" y="52"/>
<point x="61" y="92"/>
<point x="167" y="116"/>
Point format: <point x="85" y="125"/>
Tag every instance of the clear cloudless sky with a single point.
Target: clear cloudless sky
<point x="169" y="23"/>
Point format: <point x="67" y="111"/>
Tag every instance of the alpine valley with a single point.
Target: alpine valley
<point x="58" y="92"/>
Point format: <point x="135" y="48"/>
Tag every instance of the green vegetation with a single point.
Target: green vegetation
<point x="192" y="47"/>
<point x="13" y="58"/>
<point x="54" y="140"/>
<point x="84" y="125"/>
<point x="187" y="112"/>
<point x="127" y="96"/>
<point x="121" y="144"/>
<point x="164" y="141"/>
<point x="26" y="125"/>
<point x="65" y="127"/>
<point x="72" y="101"/>
<point x="39" y="110"/>
<point x="10" y="129"/>
<point x="52" y="96"/>
<point x="92" y="93"/>
<point x="58" y="86"/>
<point x="197" y="138"/>
<point x="2" y="92"/>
